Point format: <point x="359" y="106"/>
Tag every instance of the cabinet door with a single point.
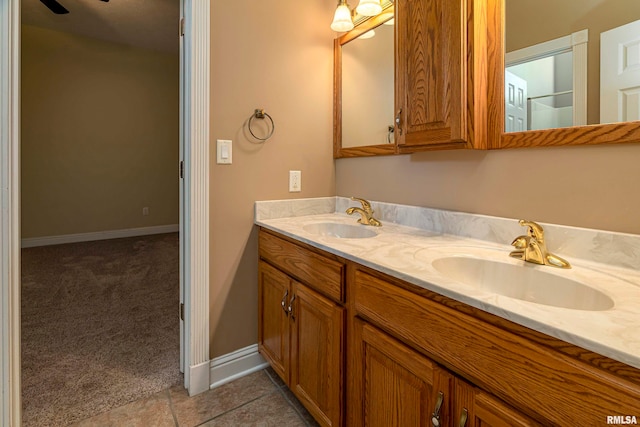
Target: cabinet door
<point x="393" y="385"/>
<point x="316" y="354"/>
<point x="273" y="331"/>
<point x="475" y="408"/>
<point x="431" y="97"/>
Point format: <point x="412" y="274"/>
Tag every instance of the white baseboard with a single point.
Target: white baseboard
<point x="98" y="235"/>
<point x="235" y="365"/>
<point x="199" y="378"/>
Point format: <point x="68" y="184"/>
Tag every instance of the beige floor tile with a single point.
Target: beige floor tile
<point x="192" y="411"/>
<point x="269" y="410"/>
<point x="152" y="411"/>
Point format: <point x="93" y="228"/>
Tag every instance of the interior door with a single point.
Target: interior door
<point x="620" y="74"/>
<point x="515" y="99"/>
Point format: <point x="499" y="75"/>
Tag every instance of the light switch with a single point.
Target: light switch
<point x="224" y="151"/>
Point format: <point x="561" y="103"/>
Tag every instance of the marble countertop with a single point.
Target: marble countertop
<point x="407" y="252"/>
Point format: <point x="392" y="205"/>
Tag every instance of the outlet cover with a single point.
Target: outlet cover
<point x="295" y="181"/>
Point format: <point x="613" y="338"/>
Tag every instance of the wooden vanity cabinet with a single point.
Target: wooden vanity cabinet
<point x="474" y="408"/>
<point x="440" y="74"/>
<point x="382" y="356"/>
<point x="274" y="288"/>
<point x="500" y="377"/>
<point x="394" y="385"/>
<point x="301" y="325"/>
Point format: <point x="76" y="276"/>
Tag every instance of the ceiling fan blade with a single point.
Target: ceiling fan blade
<point x="55" y="7"/>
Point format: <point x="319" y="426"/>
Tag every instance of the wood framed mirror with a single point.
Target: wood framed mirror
<point x="619" y="132"/>
<point x="364" y="88"/>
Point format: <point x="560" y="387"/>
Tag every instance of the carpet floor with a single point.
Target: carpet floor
<point x="100" y="326"/>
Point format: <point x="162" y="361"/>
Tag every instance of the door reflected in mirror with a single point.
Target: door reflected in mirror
<point x="571" y="63"/>
<point x="368" y="88"/>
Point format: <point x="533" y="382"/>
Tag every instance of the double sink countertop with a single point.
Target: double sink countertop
<point x="412" y="238"/>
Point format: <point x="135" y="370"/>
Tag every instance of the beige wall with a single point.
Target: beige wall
<point x="99" y="135"/>
<point x="593" y="187"/>
<point x="532" y="22"/>
<point x="280" y="58"/>
<point x="277" y="56"/>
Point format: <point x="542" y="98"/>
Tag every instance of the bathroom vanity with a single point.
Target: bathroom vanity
<point x="302" y="322"/>
<point x="365" y="331"/>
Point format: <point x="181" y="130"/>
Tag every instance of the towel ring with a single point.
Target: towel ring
<point x="260" y="114"/>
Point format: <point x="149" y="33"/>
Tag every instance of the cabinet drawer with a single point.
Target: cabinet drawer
<point x="537" y="380"/>
<point x="317" y="271"/>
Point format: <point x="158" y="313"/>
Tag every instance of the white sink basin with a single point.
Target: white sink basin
<point x="343" y="231"/>
<point x="524" y="282"/>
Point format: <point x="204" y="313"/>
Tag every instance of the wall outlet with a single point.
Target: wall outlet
<point x="295" y="181"/>
<point x="145" y="211"/>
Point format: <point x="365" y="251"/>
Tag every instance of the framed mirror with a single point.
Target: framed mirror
<point x="364" y="88"/>
<point x="585" y="105"/>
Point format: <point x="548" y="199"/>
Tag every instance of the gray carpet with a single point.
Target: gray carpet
<point x="99" y="326"/>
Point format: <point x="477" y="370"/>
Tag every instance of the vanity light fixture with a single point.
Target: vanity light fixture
<point x="342" y="21"/>
<point x="369" y="7"/>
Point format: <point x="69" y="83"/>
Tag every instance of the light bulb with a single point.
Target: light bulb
<point x="342" y="19"/>
<point x="369" y="7"/>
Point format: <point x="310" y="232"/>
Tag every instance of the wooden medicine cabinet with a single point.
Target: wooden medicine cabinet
<point x="434" y="85"/>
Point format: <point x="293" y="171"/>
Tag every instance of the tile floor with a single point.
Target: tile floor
<point x="259" y="399"/>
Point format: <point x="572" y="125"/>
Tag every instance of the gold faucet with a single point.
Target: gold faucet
<point x="532" y="248"/>
<point x="366" y="213"/>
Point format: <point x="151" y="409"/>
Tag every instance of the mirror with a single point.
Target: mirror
<point x="567" y="62"/>
<point x="364" y="88"/>
<point x="572" y="105"/>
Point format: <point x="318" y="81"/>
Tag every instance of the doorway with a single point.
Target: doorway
<point x="99" y="148"/>
<point x="194" y="223"/>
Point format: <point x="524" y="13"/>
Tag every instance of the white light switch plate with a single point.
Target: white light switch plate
<point x="224" y="150"/>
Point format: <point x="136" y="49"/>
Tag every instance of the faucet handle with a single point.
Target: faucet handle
<point x="365" y="204"/>
<point x="535" y="230"/>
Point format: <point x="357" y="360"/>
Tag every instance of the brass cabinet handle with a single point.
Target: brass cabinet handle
<point x="435" y="418"/>
<point x="290" y="308"/>
<point x="463" y="417"/>
<point x="398" y="121"/>
<point x="283" y="303"/>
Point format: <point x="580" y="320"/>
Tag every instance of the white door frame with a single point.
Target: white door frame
<point x="10" y="405"/>
<point x="196" y="218"/>
<point x="197" y="42"/>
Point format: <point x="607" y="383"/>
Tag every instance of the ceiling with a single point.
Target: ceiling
<point x="149" y="24"/>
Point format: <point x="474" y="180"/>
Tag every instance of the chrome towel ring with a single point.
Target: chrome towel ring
<point x="260" y="114"/>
